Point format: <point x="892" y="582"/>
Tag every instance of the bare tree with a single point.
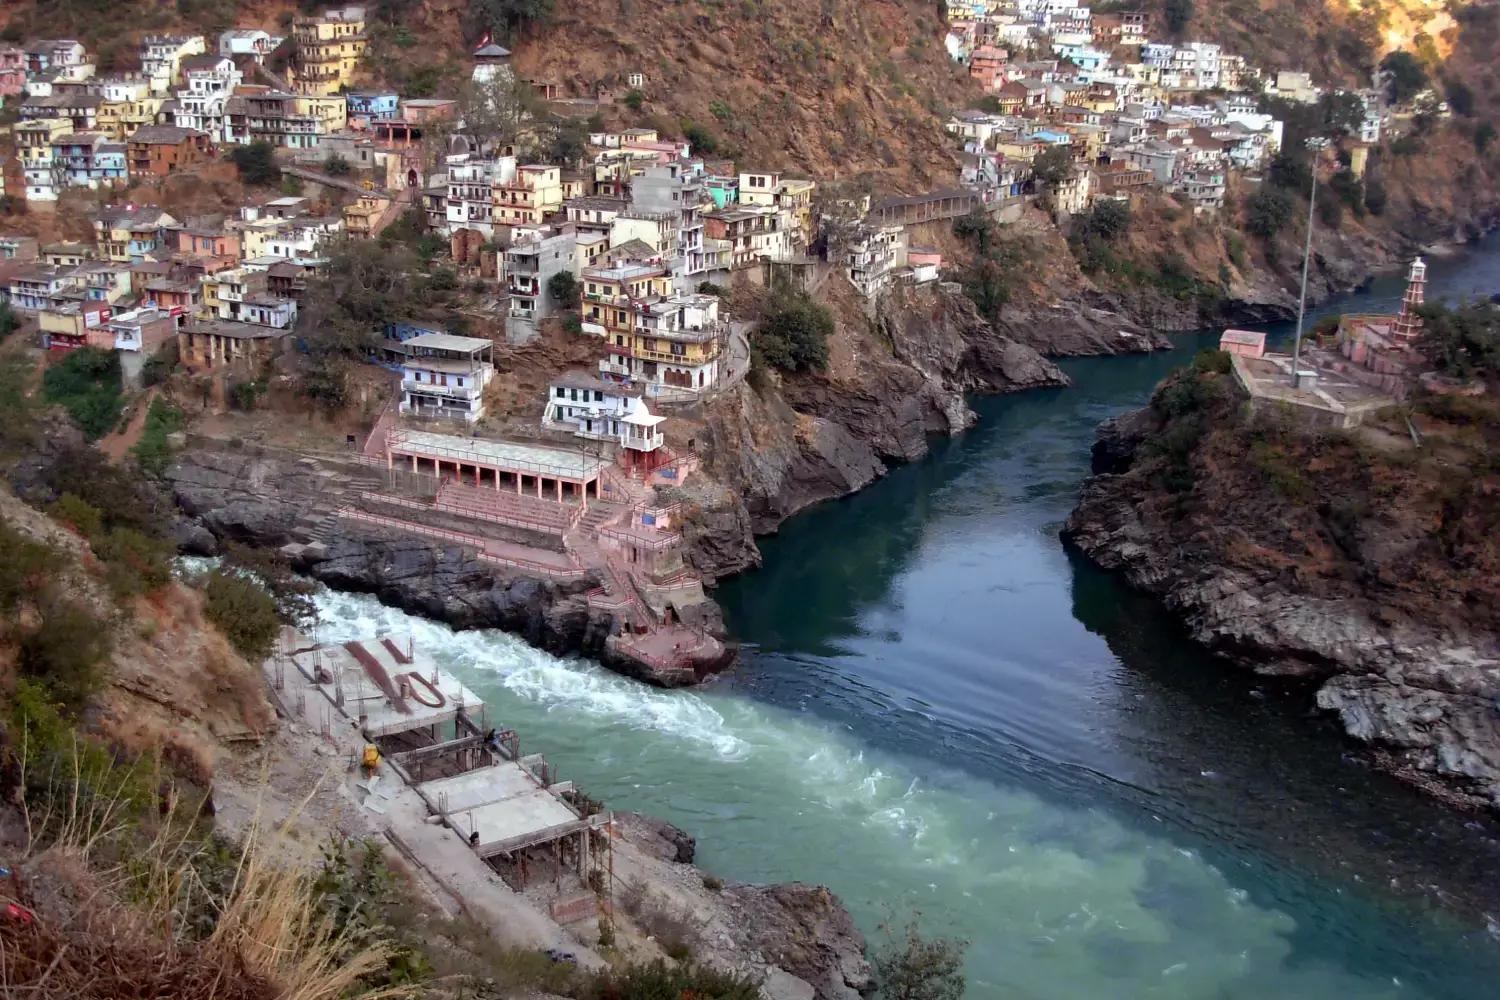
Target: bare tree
<point x="495" y="111"/>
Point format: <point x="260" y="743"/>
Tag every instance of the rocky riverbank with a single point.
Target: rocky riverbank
<point x="278" y="501"/>
<point x="895" y="379"/>
<point x="1349" y="560"/>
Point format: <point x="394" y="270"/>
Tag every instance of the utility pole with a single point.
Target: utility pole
<point x="1317" y="145"/>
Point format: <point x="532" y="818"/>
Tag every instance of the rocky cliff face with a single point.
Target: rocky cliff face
<point x="277" y="502"/>
<point x="797" y="440"/>
<point x="1342" y="558"/>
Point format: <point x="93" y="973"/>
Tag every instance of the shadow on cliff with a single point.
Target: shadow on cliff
<point x="828" y="565"/>
<point x="1205" y="737"/>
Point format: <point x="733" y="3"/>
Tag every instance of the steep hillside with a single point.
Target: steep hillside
<point x="1337" y="41"/>
<point x="834" y="89"/>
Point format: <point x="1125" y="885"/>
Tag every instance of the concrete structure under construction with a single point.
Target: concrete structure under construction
<point x="440" y="756"/>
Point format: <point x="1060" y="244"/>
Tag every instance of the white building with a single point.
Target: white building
<point x="161" y="55"/>
<point x="529" y="267"/>
<point x="251" y="42"/>
<point x="492" y="64"/>
<point x="300" y="239"/>
<point x="471" y="181"/>
<point x="443" y="376"/>
<point x="590" y="408"/>
<point x="872" y="256"/>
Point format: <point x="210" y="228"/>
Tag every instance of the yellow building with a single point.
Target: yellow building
<point x="364" y="218"/>
<point x="611" y="298"/>
<point x="535" y="193"/>
<point x="120" y="119"/>
<point x="329" y="47"/>
<point x="795" y="198"/>
<point x="331" y="110"/>
<point x="658" y="230"/>
<point x="255" y="235"/>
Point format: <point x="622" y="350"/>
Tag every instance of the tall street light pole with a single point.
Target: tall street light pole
<point x="1317" y="146"/>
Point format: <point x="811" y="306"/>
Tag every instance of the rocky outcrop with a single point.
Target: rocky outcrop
<point x="275" y="501"/>
<point x="1337" y="578"/>
<point x="805" y="930"/>
<point x="894" y="381"/>
<point x="1091" y="324"/>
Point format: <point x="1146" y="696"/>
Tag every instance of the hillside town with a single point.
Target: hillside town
<point x="628" y="238"/>
<point x="1132" y="112"/>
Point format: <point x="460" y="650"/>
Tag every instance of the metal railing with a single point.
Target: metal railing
<point x="475" y="542"/>
<point x="473" y="511"/>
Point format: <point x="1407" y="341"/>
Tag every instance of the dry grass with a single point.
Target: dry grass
<point x="107" y="911"/>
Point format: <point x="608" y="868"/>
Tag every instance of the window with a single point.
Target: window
<point x="573" y="394"/>
<point x="598" y="396"/>
<point x="562" y="393"/>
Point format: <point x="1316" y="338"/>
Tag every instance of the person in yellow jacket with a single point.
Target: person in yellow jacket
<point x="371" y="759"/>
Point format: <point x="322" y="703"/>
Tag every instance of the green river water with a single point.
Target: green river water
<point x="941" y="710"/>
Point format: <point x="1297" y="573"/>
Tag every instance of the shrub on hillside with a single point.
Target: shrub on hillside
<point x="244" y="612"/>
<point x="152" y="451"/>
<point x="1268" y="211"/>
<point x="562" y="289"/>
<point x="911" y="966"/>
<point x="256" y="163"/>
<point x="87" y="384"/>
<point x="793" y="331"/>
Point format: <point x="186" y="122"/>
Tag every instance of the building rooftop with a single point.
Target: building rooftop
<point x="231" y="329"/>
<point x="549" y="462"/>
<point x="583" y="380"/>
<point x="164" y="135"/>
<point x="448" y="342"/>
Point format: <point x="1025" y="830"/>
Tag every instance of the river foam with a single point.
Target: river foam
<point x="1059" y="903"/>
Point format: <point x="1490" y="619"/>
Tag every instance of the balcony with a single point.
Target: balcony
<point x="677" y="359"/>
<point x="611" y="368"/>
<point x="468" y="391"/>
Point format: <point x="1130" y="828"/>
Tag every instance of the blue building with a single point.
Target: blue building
<point x="373" y="104"/>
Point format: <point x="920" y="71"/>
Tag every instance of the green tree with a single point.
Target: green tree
<point x="1460" y="98"/>
<point x="505" y="19"/>
<point x="326" y="381"/>
<point x="1342" y="113"/>
<point x="1461" y="341"/>
<point x="1268" y="211"/>
<point x="1405" y="76"/>
<point x="793" y="331"/>
<point x="1177" y="13"/>
<point x="1108" y="219"/>
<point x="562" y="289"/>
<point x="1052" y="165"/>
<point x="256" y="163"/>
<point x="87" y="384"/>
<point x="365" y="284"/>
<point x="336" y="166"/>
<point x="635" y="100"/>
<point x="703" y="139"/>
<point x="9" y="321"/>
<point x="244" y="611"/>
<point x="1484" y="134"/>
<point x="570" y="141"/>
<point x="912" y="967"/>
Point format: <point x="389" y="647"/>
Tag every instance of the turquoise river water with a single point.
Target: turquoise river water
<point x="941" y="710"/>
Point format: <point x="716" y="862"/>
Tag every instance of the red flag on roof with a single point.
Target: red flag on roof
<point x="483" y="42"/>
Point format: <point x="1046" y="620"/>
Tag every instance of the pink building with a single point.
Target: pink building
<point x="12" y="70"/>
<point x="1245" y="343"/>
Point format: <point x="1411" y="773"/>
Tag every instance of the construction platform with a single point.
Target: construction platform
<point x="379" y="684"/>
<point x="442" y="762"/>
